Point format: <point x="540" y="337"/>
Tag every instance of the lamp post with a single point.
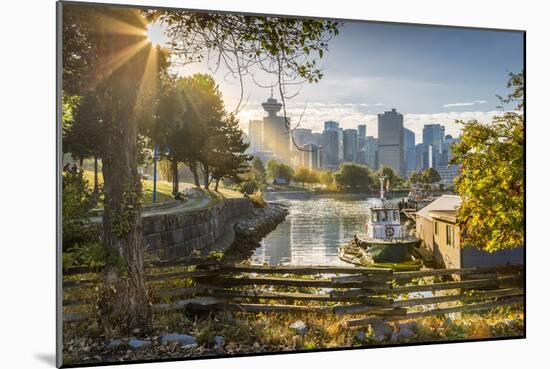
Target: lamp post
<point x="155" y="154"/>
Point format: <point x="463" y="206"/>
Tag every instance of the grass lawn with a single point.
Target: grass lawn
<point x="164" y="188"/>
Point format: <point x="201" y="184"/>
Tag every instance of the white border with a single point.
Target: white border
<point x="27" y="185"/>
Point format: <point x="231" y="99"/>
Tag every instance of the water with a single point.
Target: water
<point x="313" y="231"/>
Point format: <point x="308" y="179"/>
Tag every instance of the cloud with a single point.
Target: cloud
<point x="476" y="102"/>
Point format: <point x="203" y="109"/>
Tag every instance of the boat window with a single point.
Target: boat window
<point x="436" y="227"/>
<point x="384" y="214"/>
<point x="396" y="215"/>
<point x="375" y="216"/>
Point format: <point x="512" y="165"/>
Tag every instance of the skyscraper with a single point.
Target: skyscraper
<point x="276" y="137"/>
<point x="361" y="138"/>
<point x="350" y="145"/>
<point x="390" y="141"/>
<point x="255" y="133"/>
<point x="333" y="145"/>
<point x="330" y="124"/>
<point x="302" y="136"/>
<point x="371" y="152"/>
<point x="434" y="134"/>
<point x="409" y="150"/>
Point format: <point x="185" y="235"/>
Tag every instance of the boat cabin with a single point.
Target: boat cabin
<point x="384" y="223"/>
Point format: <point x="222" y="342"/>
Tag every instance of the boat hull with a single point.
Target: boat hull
<point x="381" y="252"/>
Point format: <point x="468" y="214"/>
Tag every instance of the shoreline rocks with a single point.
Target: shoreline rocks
<point x="249" y="231"/>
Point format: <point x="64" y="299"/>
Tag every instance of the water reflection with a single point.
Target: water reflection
<point x="313" y="231"/>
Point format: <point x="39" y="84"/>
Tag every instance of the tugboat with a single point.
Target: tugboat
<point x="388" y="243"/>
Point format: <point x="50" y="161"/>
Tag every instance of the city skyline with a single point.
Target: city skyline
<point x="431" y="75"/>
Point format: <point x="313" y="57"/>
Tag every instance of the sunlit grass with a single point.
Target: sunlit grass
<point x="164" y="188"/>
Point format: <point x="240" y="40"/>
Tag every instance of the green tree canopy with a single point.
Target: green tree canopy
<point x="430" y="176"/>
<point x="490" y="180"/>
<point x="276" y="170"/>
<point x="326" y="178"/>
<point x="354" y="177"/>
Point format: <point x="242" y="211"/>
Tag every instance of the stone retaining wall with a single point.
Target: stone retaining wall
<point x="176" y="235"/>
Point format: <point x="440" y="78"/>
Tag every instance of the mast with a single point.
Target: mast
<point x="382" y="178"/>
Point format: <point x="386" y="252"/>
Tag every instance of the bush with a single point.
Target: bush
<point x="81" y="242"/>
<point x="249" y="187"/>
<point x="258" y="200"/>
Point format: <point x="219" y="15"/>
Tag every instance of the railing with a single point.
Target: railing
<point x="366" y="293"/>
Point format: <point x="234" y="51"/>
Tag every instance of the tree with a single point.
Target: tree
<point x="83" y="136"/>
<point x="430" y="176"/>
<point x="490" y="179"/>
<point x="354" y="177"/>
<point x="93" y="58"/>
<point x="273" y="169"/>
<point x="326" y="178"/>
<point x="393" y="179"/>
<point x="258" y="169"/>
<point x="302" y="175"/>
<point x="228" y="158"/>
<point x="414" y="177"/>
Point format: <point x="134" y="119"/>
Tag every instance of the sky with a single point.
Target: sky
<point x="429" y="74"/>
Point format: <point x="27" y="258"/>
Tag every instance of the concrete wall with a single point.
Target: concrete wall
<point x="176" y="235"/>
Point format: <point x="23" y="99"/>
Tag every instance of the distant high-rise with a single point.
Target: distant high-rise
<point x="302" y="136"/>
<point x="275" y="133"/>
<point x="390" y="141"/>
<point x="309" y="157"/>
<point x="333" y="145"/>
<point x="350" y="145"/>
<point x="331" y="125"/>
<point x="409" y="150"/>
<point x="371" y="152"/>
<point x="434" y="134"/>
<point x="361" y="137"/>
<point x="255" y="134"/>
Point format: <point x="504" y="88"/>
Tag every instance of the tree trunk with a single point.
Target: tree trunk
<point x="175" y="178"/>
<point x="206" y="177"/>
<point x="96" y="179"/>
<point x="217" y="184"/>
<point x="124" y="301"/>
<point x="193" y="169"/>
<point x="81" y="162"/>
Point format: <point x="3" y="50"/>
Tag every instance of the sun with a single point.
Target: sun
<point x="155" y="34"/>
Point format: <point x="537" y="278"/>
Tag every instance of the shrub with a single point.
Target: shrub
<point x="258" y="200"/>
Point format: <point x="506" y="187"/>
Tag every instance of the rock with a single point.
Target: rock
<point x="299" y="327"/>
<point x="115" y="344"/>
<point x="381" y="330"/>
<point x="219" y="341"/>
<point x="136" y="344"/>
<point x="405" y="332"/>
<point x="360" y="336"/>
<point x="231" y="346"/>
<point x="412" y="325"/>
<point x="183" y="339"/>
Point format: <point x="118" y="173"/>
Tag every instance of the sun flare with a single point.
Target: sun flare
<point x="155" y="34"/>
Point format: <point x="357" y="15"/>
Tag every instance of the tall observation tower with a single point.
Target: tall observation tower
<point x="276" y="137"/>
<point x="272" y="106"/>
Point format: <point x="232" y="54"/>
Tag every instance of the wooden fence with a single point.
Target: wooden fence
<point x="370" y="293"/>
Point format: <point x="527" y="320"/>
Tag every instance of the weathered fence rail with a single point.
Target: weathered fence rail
<point x="370" y="293"/>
